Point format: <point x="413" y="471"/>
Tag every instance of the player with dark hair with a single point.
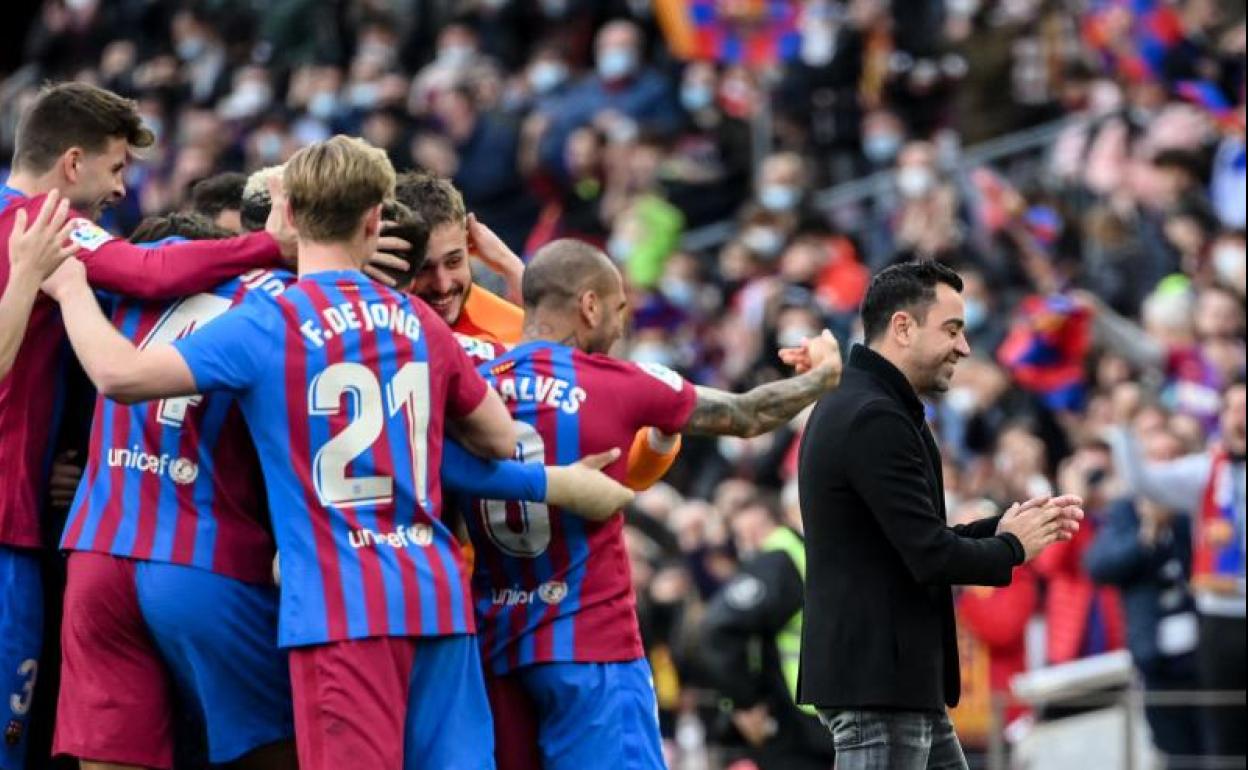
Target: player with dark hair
<point x="76" y="139"/>
<point x="220" y="198"/>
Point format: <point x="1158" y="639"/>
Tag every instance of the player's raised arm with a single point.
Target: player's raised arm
<point x="769" y="406"/>
<point x="34" y="252"/>
<point x="119" y="370"/>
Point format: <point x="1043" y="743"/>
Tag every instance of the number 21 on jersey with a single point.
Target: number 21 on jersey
<point x="407" y="392"/>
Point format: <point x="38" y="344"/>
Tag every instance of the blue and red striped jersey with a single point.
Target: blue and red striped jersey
<point x="344" y="385"/>
<point x="176" y="480"/>
<point x="548" y="585"/>
<point x="31" y="394"/>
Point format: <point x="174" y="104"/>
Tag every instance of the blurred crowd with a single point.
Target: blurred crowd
<point x="1104" y="269"/>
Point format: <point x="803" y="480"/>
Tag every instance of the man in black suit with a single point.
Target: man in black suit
<point x="879" y="653"/>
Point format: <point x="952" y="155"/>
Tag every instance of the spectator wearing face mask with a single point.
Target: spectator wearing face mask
<point x="199" y="47"/>
<point x="883" y="134"/>
<point x="708" y="168"/>
<point x="488" y="174"/>
<point x="547" y="78"/>
<point x="622" y="95"/>
<point x="925" y="222"/>
<point x="457" y="52"/>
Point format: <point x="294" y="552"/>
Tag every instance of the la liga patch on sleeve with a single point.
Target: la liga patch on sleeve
<point x="88" y="235"/>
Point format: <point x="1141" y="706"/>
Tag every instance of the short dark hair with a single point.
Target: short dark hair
<point x="221" y="192"/>
<point x="411" y="227"/>
<point x="75" y="115"/>
<point x="435" y="199"/>
<point x="561" y="270"/>
<point x="908" y="286"/>
<point x="188" y="225"/>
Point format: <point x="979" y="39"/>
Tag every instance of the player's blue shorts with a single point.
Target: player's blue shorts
<point x="218" y="636"/>
<point x="595" y="715"/>
<point x="129" y="626"/>
<point x="21" y="634"/>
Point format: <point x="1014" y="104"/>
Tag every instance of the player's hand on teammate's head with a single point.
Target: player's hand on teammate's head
<point x="383" y="263"/>
<point x="44" y="245"/>
<point x="71" y="275"/>
<point x="278" y="224"/>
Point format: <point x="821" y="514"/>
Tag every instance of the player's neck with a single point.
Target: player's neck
<point x="30" y="185"/>
<point x="316" y="257"/>
<point x="544" y="327"/>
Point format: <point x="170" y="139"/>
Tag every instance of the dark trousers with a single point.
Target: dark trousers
<point x="1177" y="730"/>
<point x="894" y="740"/>
<point x="1220" y="658"/>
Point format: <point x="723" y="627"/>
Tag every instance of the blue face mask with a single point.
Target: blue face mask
<point x="763" y="241"/>
<point x="778" y="197"/>
<point x="696" y="97"/>
<point x="976" y="313"/>
<point x="323" y="104"/>
<point x="653" y="353"/>
<point x="616" y="63"/>
<point x="619" y="248"/>
<point x="269" y="146"/>
<point x="546" y="76"/>
<point x="881" y="148"/>
<point x="190" y="48"/>
<point x="679" y="292"/>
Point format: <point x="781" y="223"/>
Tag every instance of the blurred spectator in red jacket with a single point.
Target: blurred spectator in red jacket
<point x="1083" y="618"/>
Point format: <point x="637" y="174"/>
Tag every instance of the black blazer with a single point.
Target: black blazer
<point x="879" y="625"/>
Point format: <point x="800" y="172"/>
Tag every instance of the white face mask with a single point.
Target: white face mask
<point x="455" y="55"/>
<point x="792" y="337"/>
<point x="818" y="44"/>
<point x="915" y="181"/>
<point x="1228" y="262"/>
<point x="963" y="8"/>
<point x="763" y="241"/>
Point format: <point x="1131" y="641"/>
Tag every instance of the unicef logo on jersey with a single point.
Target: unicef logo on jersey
<point x="418" y="534"/>
<point x="179" y="469"/>
<point x="552" y="591"/>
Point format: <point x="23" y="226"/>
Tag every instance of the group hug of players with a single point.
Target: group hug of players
<point x="283" y="465"/>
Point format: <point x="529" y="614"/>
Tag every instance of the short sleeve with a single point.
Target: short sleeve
<point x="658" y="396"/>
<point x="232" y="351"/>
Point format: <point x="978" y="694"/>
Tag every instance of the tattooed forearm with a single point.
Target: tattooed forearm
<point x="758" y="411"/>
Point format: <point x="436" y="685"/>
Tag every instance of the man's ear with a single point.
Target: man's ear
<point x="901" y="328"/>
<point x="372" y="222"/>
<point x="590" y="308"/>
<point x="71" y="161"/>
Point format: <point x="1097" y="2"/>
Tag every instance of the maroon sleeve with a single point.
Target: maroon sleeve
<point x="173" y="270"/>
<point x="657" y="396"/>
